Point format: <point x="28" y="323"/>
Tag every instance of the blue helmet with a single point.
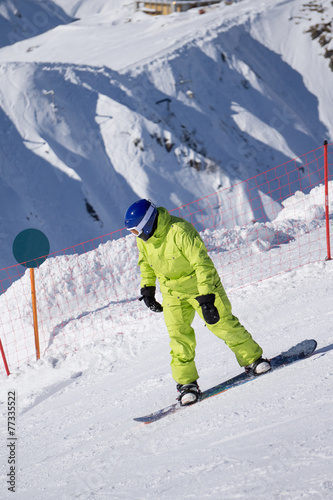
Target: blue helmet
<point x="141" y="219"/>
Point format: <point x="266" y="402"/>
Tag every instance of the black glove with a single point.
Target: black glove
<point x="209" y="311"/>
<point x="148" y="296"/>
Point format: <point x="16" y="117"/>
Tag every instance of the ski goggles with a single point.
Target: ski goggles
<point x="137" y="230"/>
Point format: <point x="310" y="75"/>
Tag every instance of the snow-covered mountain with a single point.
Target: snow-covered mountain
<point x="101" y="105"/>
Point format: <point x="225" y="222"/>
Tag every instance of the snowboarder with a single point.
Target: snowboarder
<point x="171" y="250"/>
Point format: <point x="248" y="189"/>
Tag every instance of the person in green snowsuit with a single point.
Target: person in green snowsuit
<point x="171" y="250"/>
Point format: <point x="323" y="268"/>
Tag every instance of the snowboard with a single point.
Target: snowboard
<point x="296" y="353"/>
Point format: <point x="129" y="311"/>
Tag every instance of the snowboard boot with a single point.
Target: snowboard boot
<point x="189" y="393"/>
<point x="259" y="367"/>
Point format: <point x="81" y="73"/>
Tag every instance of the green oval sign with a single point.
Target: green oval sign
<point x="31" y="248"/>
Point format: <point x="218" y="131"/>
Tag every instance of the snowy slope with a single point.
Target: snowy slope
<point x="20" y="19"/>
<point x="105" y="360"/>
<point x="272" y="437"/>
<point x="86" y="131"/>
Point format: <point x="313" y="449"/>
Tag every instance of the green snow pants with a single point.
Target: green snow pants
<point x="179" y="314"/>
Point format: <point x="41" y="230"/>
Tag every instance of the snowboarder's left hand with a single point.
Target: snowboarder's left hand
<point x="148" y="296"/>
<point x="209" y="311"/>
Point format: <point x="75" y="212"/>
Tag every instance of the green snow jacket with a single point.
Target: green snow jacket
<point x="177" y="256"/>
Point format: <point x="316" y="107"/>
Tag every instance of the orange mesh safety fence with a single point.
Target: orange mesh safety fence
<point x="254" y="229"/>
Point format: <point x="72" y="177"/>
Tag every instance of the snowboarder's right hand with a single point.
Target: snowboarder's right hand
<point x="148" y="296"/>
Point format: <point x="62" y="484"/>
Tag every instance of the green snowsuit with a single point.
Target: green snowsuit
<point x="177" y="256"/>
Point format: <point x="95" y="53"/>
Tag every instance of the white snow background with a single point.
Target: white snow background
<point x="96" y="109"/>
<point x="271" y="438"/>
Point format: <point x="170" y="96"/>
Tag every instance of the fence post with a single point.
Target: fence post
<point x="4" y="359"/>
<point x="34" y="311"/>
<point x="327" y="212"/>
